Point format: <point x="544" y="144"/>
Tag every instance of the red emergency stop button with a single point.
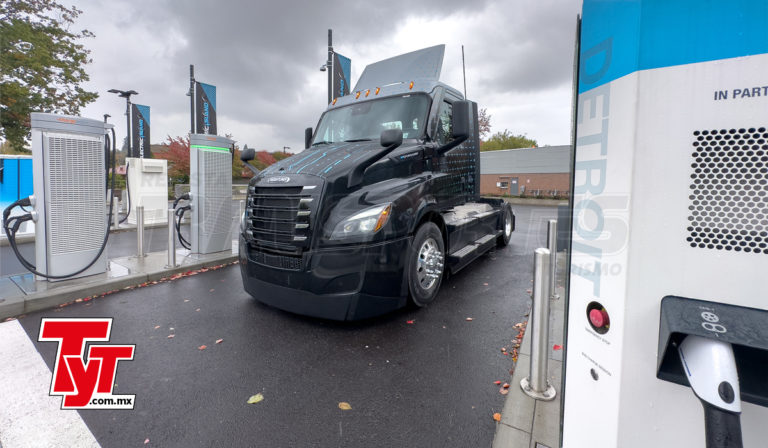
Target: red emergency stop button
<point x="598" y="317"/>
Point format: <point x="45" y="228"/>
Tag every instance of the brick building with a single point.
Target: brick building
<point x="543" y="171"/>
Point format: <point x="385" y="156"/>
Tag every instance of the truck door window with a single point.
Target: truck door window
<point x="444" y="125"/>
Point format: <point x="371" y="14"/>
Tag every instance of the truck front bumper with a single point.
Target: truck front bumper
<point x="348" y="283"/>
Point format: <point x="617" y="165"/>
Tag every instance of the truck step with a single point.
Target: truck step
<point x="462" y="257"/>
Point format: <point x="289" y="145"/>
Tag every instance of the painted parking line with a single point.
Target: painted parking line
<point x="29" y="417"/>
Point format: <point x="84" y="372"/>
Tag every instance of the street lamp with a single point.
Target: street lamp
<point x="328" y="65"/>
<point x="127" y="95"/>
<point x="285" y="147"/>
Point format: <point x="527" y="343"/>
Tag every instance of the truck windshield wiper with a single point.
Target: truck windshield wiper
<point x="321" y="143"/>
<point x="357" y="140"/>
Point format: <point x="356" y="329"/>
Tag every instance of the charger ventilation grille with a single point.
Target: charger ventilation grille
<point x="728" y="193"/>
<point x="76" y="193"/>
<point x="216" y="194"/>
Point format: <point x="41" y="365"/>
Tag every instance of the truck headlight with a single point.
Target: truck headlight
<point x="366" y="222"/>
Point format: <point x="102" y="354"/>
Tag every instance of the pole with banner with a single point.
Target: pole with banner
<point x="140" y="131"/>
<point x="341" y="75"/>
<point x="205" y="109"/>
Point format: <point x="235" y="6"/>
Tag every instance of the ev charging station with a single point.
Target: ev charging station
<point x="210" y="178"/>
<point x="148" y="180"/>
<point x="667" y="334"/>
<point x="69" y="194"/>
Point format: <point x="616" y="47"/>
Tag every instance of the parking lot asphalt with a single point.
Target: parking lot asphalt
<point x="416" y="377"/>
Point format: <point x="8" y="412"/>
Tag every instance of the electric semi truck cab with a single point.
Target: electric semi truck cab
<point x="380" y="205"/>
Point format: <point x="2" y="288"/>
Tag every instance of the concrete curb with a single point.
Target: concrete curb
<point x="87" y="287"/>
<point x="30" y="237"/>
<point x="533" y="201"/>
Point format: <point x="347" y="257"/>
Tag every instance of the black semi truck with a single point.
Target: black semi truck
<point x="383" y="202"/>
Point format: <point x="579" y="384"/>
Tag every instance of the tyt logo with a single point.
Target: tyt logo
<point x="86" y="383"/>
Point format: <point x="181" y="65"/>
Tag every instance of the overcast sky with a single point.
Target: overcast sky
<point x="264" y="58"/>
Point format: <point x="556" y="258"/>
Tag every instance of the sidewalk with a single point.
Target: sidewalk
<point x="529" y="423"/>
<point x="20" y="294"/>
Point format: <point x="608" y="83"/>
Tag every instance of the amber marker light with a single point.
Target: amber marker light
<point x="383" y="217"/>
<point x="357" y="95"/>
<point x="378" y="89"/>
<point x="410" y="87"/>
<point x="333" y="103"/>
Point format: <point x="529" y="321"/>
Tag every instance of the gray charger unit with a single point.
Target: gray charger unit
<point x="70" y="198"/>
<point x="210" y="173"/>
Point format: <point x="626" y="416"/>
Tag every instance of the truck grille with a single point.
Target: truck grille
<point x="279" y="219"/>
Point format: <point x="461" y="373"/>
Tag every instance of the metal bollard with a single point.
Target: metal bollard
<point x="242" y="209"/>
<point x="115" y="214"/>
<point x="552" y="245"/>
<point x="140" y="229"/>
<point x="171" y="240"/>
<point x="536" y="385"/>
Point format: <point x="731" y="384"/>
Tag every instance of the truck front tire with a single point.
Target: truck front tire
<point x="426" y="261"/>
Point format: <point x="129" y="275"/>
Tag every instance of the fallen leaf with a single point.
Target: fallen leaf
<point x="503" y="349"/>
<point x="344" y="406"/>
<point x="146" y="441"/>
<point x="503" y="391"/>
<point x="170" y="336"/>
<point x="202" y="347"/>
<point x="497" y="417"/>
<point x="211" y="290"/>
<point x="157" y="326"/>
<point x="529" y="291"/>
<point x="469" y="319"/>
<point x="497" y="382"/>
<point x="485" y="284"/>
<point x="219" y="341"/>
<point x="557" y="347"/>
<point x="505" y="386"/>
<point x="255" y="399"/>
<point x="409" y="322"/>
<point x="197" y="309"/>
<point x="186" y="300"/>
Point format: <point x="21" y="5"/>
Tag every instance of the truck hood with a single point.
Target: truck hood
<point x="329" y="161"/>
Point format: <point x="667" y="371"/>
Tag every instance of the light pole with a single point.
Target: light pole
<point x="127" y="95"/>
<point x="285" y="147"/>
<point x="329" y="66"/>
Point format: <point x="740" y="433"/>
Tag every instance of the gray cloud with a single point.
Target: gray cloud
<point x="264" y="56"/>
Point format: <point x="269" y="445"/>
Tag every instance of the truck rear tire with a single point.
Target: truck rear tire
<point x="506" y="226"/>
<point x="426" y="259"/>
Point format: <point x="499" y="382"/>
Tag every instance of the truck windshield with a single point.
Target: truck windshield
<point x="365" y="120"/>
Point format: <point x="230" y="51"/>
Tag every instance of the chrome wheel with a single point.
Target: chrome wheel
<point x="507" y="225"/>
<point x="429" y="265"/>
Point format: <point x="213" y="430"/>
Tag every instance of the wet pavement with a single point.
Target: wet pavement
<point x="429" y="383"/>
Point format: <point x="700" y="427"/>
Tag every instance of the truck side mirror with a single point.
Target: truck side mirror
<point x="391" y="137"/>
<point x="307" y="137"/>
<point x="462" y="112"/>
<point x="247" y="154"/>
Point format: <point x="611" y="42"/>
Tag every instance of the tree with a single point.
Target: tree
<point x="484" y="123"/>
<point x="506" y="140"/>
<point x="177" y="155"/>
<point x="41" y="64"/>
